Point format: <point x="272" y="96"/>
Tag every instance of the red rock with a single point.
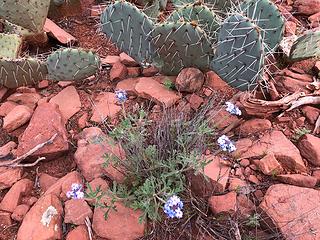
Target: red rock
<point x="189" y="80"/>
<point x="291" y="28"/>
<point x="118" y="72"/>
<point x="128" y="85"/>
<point x="215" y="179"/>
<point x="19" y="212"/>
<point x="283" y="149"/>
<point x="309" y="148"/>
<point x="6" y="149"/>
<point x="5" y="220"/>
<point x="17" y="117"/>
<point x="76" y="211"/>
<point x="43" y="221"/>
<point x="9" y="176"/>
<point x="105" y="107"/>
<point x="307" y="7"/>
<point x="92" y="145"/>
<point x="127" y="60"/>
<point x="207" y="92"/>
<point x="236" y="184"/>
<point x="253" y="179"/>
<point x="13" y="198"/>
<point x="269" y="165"/>
<point x="58" y="33"/>
<point x="316" y="174"/>
<point x="290" y="85"/>
<point x="78" y="233"/>
<point x="222" y="119"/>
<point x="65" y="83"/>
<point x="68" y="101"/>
<point x="298" y="76"/>
<point x="311" y="113"/>
<point x="96" y="10"/>
<point x="293" y="210"/>
<point x="6" y="107"/>
<point x="314" y="20"/>
<point x="253" y="126"/>
<point x="298" y="180"/>
<point x="300" y="121"/>
<point x="242" y="146"/>
<point x="306" y="65"/>
<point x="215" y="82"/>
<point x="121" y="224"/>
<point x="30" y="201"/>
<point x="45" y="122"/>
<point x="134" y="71"/>
<point x="43" y="84"/>
<point x="150" y="71"/>
<point x="110" y="60"/>
<point x="317" y="64"/>
<point x="28" y="99"/>
<point x="82" y="121"/>
<point x="195" y="101"/>
<point x="151" y="89"/>
<point x="99" y="183"/>
<point x="245" y="162"/>
<point x="222" y="204"/>
<point x="46" y="181"/>
<point x="63" y="185"/>
<point x="245" y="206"/>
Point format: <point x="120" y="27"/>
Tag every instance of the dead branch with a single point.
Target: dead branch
<point x="15" y="162"/>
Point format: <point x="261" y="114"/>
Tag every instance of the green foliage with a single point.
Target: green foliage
<point x="158" y="155"/>
<point x="239" y="57"/>
<point x="299" y="132"/>
<point x="72" y="64"/>
<point x="254" y="220"/>
<point x="306" y="46"/>
<point x="10" y="45"/>
<point x="29" y="14"/>
<point x="21" y="72"/>
<point x="169" y="84"/>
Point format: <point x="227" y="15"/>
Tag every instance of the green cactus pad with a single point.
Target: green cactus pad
<point x="201" y="15"/>
<point x="180" y="45"/>
<point x="152" y="9"/>
<point x="16" y="29"/>
<point x="129" y="29"/>
<point x="267" y="16"/>
<point x="29" y="14"/>
<point x="306" y="46"/>
<point x="21" y="72"/>
<point x="72" y="64"/>
<point x="10" y="45"/>
<point x="239" y="57"/>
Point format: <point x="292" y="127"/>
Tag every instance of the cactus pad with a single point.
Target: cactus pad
<point x="72" y="64"/>
<point x="267" y="16"/>
<point x="29" y="14"/>
<point x="179" y="45"/>
<point x="10" y="45"/>
<point x="306" y="46"/>
<point x="21" y="72"/>
<point x="129" y="29"/>
<point x="239" y="55"/>
<point x="201" y="15"/>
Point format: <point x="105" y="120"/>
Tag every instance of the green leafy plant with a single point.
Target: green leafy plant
<point x="169" y="84"/>
<point x="253" y="220"/>
<point x="299" y="132"/>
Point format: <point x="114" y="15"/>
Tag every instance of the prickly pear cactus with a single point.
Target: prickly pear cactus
<point x="21" y="72"/>
<point x="29" y="14"/>
<point x="199" y="14"/>
<point x="152" y="9"/>
<point x="306" y="46"/>
<point x="10" y="45"/>
<point x="129" y="29"/>
<point x="72" y="64"/>
<point x="267" y="16"/>
<point x="16" y="29"/>
<point x="239" y="57"/>
<point x="179" y="45"/>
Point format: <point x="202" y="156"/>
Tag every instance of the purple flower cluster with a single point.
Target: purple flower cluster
<point x="76" y="191"/>
<point x="226" y="144"/>
<point x="173" y="207"/>
<point x="121" y="95"/>
<point x="233" y="109"/>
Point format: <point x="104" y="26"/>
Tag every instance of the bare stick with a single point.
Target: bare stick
<point x="19" y="159"/>
<point x="29" y="164"/>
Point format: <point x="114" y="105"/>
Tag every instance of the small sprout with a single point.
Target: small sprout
<point x="226" y="144"/>
<point x="168" y="84"/>
<point x="121" y="95"/>
<point x="173" y="207"/>
<point x="233" y="109"/>
<point x="300" y="132"/>
<point x="253" y="220"/>
<point x="76" y="191"/>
